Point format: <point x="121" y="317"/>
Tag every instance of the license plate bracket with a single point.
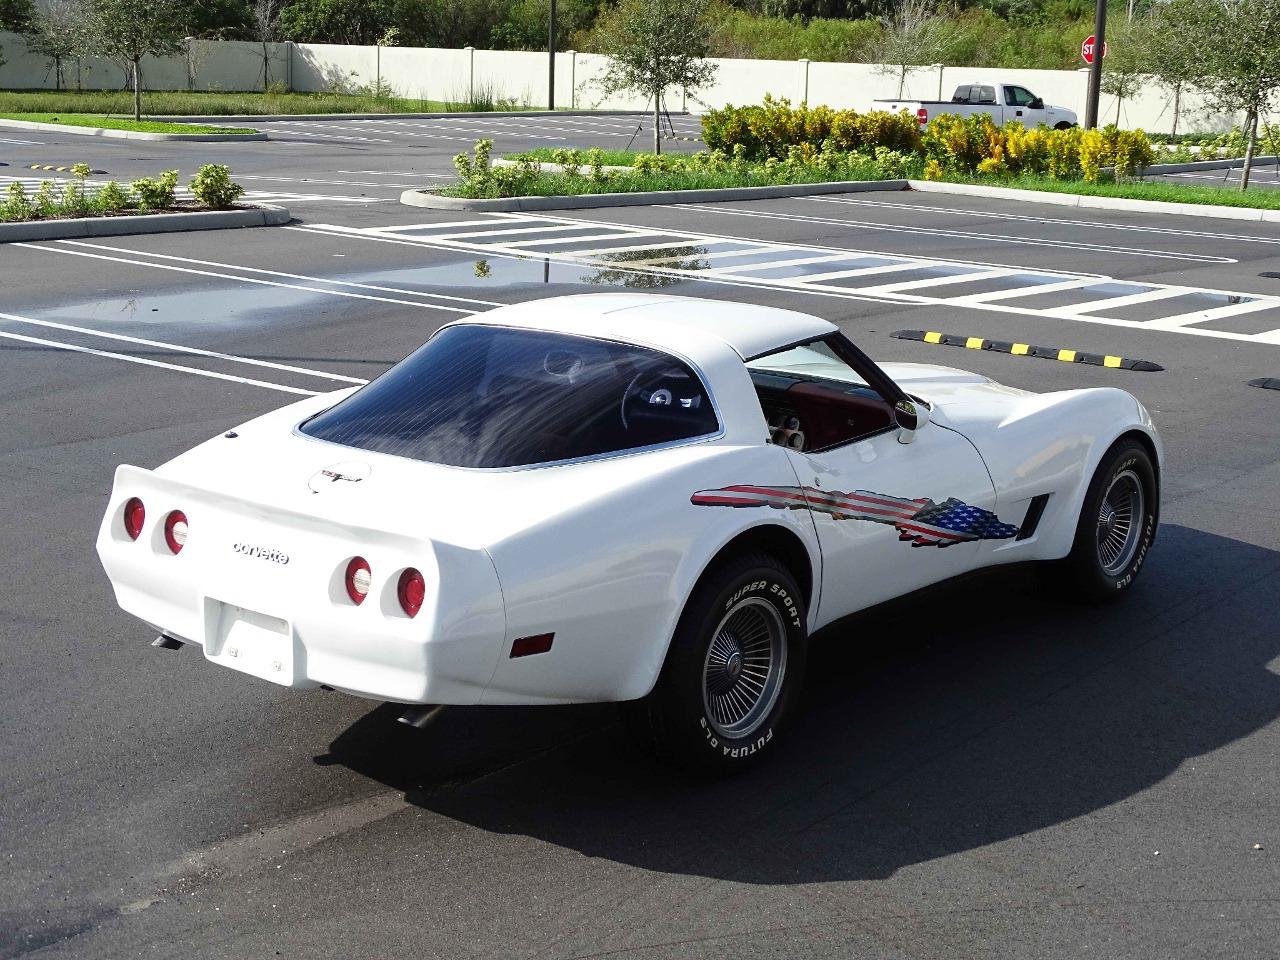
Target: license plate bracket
<point x="250" y="641"/>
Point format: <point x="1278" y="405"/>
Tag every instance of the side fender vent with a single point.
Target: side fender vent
<point x="1035" y="510"/>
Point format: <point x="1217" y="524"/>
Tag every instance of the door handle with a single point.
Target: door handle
<point x="1018" y="113"/>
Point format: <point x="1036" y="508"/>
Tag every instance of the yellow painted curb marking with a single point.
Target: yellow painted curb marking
<point x="1020" y="349"/>
<point x="933" y="338"/>
<point x="1067" y="356"/>
<point x="974" y="343"/>
<point x="1110" y="361"/>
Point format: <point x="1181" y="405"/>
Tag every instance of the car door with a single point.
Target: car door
<point x="1019" y="107"/>
<point x="891" y="516"/>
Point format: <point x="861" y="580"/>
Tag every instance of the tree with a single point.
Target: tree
<point x="132" y="29"/>
<point x="15" y="15"/>
<point x="655" y="44"/>
<point x="1127" y="60"/>
<point x="1171" y="60"/>
<point x="914" y="35"/>
<point x="266" y="28"/>
<point x="56" y="31"/>
<point x="1236" y="46"/>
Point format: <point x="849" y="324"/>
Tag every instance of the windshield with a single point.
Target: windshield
<point x="488" y="396"/>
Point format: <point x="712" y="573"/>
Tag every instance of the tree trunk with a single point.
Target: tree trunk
<point x="1177" y="105"/>
<point x="57" y="73"/>
<point x="1251" y="129"/>
<point x="266" y="67"/>
<point x="902" y="80"/>
<point x="657" y="125"/>
<point x="137" y="90"/>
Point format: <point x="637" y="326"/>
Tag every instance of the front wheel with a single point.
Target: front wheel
<point x="1063" y="125"/>
<point x="1117" y="523"/>
<point x="734" y="669"/>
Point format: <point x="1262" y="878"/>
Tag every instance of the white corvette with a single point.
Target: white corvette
<point x="618" y="497"/>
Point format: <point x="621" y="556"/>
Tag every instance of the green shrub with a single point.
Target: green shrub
<point x="16" y="205"/>
<point x="156" y="193"/>
<point x="212" y="185"/>
<point x="112" y="198"/>
<point x="773" y="127"/>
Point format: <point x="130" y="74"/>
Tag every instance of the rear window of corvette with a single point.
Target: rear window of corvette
<point x="488" y="396"/>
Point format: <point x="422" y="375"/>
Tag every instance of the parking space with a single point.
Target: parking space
<point x="992" y="771"/>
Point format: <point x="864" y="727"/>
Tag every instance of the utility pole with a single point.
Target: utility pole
<point x="551" y="58"/>
<point x="1095" y="68"/>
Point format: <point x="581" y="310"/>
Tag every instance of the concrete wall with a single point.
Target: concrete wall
<point x="437" y="74"/>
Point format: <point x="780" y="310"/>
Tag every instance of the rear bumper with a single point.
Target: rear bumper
<point x="284" y="615"/>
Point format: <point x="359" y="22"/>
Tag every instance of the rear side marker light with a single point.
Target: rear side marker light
<point x="134" y="514"/>
<point x="358" y="579"/>
<point x="922" y="115"/>
<point x="175" y="530"/>
<point x="412" y="590"/>
<point x="528" y="646"/>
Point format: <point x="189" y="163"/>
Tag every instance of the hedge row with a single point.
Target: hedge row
<point x="950" y="143"/>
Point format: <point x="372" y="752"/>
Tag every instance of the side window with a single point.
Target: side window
<point x="1018" y="96"/>
<point x="986" y="94"/>
<point x="813" y="400"/>
<point x="961" y="95"/>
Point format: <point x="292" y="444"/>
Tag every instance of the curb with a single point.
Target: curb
<point x="1026" y="350"/>
<point x="263" y="216"/>
<point x="1212" y="211"/>
<point x="128" y="134"/>
<point x="1193" y="165"/>
<point x="433" y="201"/>
<point x="469" y="115"/>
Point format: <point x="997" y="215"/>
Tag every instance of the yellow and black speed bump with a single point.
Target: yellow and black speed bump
<point x="52" y="169"/>
<point x="1266" y="383"/>
<point x="1026" y="350"/>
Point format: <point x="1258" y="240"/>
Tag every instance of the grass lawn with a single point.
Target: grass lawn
<point x="181" y="103"/>
<point x="120" y="123"/>
<point x="1261" y="198"/>
<point x="612" y="158"/>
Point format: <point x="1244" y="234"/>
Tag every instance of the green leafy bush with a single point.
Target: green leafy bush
<point x="112" y="198"/>
<point x="16" y="205"/>
<point x="212" y="185"/>
<point x="771" y="128"/>
<point x="156" y="193"/>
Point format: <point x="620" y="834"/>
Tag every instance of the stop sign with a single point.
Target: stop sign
<point x="1086" y="48"/>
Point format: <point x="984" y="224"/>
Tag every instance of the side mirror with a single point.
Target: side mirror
<point x="1036" y="104"/>
<point x="910" y="417"/>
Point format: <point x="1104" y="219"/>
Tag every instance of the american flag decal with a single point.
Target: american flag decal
<point x="923" y="523"/>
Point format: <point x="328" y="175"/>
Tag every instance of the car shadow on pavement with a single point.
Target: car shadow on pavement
<point x="979" y="712"/>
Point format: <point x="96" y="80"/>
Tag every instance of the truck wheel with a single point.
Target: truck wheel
<point x="733" y="671"/>
<point x="1117" y="524"/>
<point x="1063" y="125"/>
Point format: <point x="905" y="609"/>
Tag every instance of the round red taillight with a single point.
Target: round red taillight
<point x="412" y="591"/>
<point x="358" y="579"/>
<point x="175" y="530"/>
<point x="134" y="514"/>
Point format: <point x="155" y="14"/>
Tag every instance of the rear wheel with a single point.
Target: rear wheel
<point x="735" y="666"/>
<point x="1117" y="523"/>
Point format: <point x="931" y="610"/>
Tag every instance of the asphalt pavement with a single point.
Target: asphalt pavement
<point x="993" y="771"/>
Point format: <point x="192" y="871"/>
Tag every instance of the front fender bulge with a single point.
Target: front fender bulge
<point x="1049" y="444"/>
<point x="610" y="577"/>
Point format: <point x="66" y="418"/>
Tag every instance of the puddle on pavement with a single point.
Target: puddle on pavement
<point x="784" y="271"/>
<point x="923" y="272"/>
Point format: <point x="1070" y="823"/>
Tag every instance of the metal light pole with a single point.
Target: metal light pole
<point x="551" y="58"/>
<point x="1095" y="68"/>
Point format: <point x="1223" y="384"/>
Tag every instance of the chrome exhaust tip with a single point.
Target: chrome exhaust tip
<point x="422" y="715"/>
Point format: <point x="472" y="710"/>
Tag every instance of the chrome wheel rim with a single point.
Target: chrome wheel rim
<point x="743" y="671"/>
<point x="1120" y="521"/>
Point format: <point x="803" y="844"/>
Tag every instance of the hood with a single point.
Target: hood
<point x="948" y="386"/>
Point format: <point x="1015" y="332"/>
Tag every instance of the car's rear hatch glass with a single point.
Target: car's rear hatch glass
<point x="486" y="396"/>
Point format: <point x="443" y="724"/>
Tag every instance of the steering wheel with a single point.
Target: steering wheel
<point x="659" y="397"/>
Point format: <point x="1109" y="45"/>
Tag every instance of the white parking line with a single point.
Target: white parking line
<point x="1048" y="221"/>
<point x="1106" y="249"/>
<point x="179" y="348"/>
<point x="1146" y="296"/>
<point x="292" y="276"/>
<point x="242" y="279"/>
<point x="1181" y="321"/>
<point x="344" y="183"/>
<point x="35" y="143"/>
<point x="941" y="281"/>
<point x="148" y="362"/>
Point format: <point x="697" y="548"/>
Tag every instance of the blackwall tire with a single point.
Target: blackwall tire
<point x="1117" y="524"/>
<point x="734" y="669"/>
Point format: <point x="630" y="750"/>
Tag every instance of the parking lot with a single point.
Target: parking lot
<point x="991" y="772"/>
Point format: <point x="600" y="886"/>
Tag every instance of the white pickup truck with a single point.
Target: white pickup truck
<point x="1003" y="102"/>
